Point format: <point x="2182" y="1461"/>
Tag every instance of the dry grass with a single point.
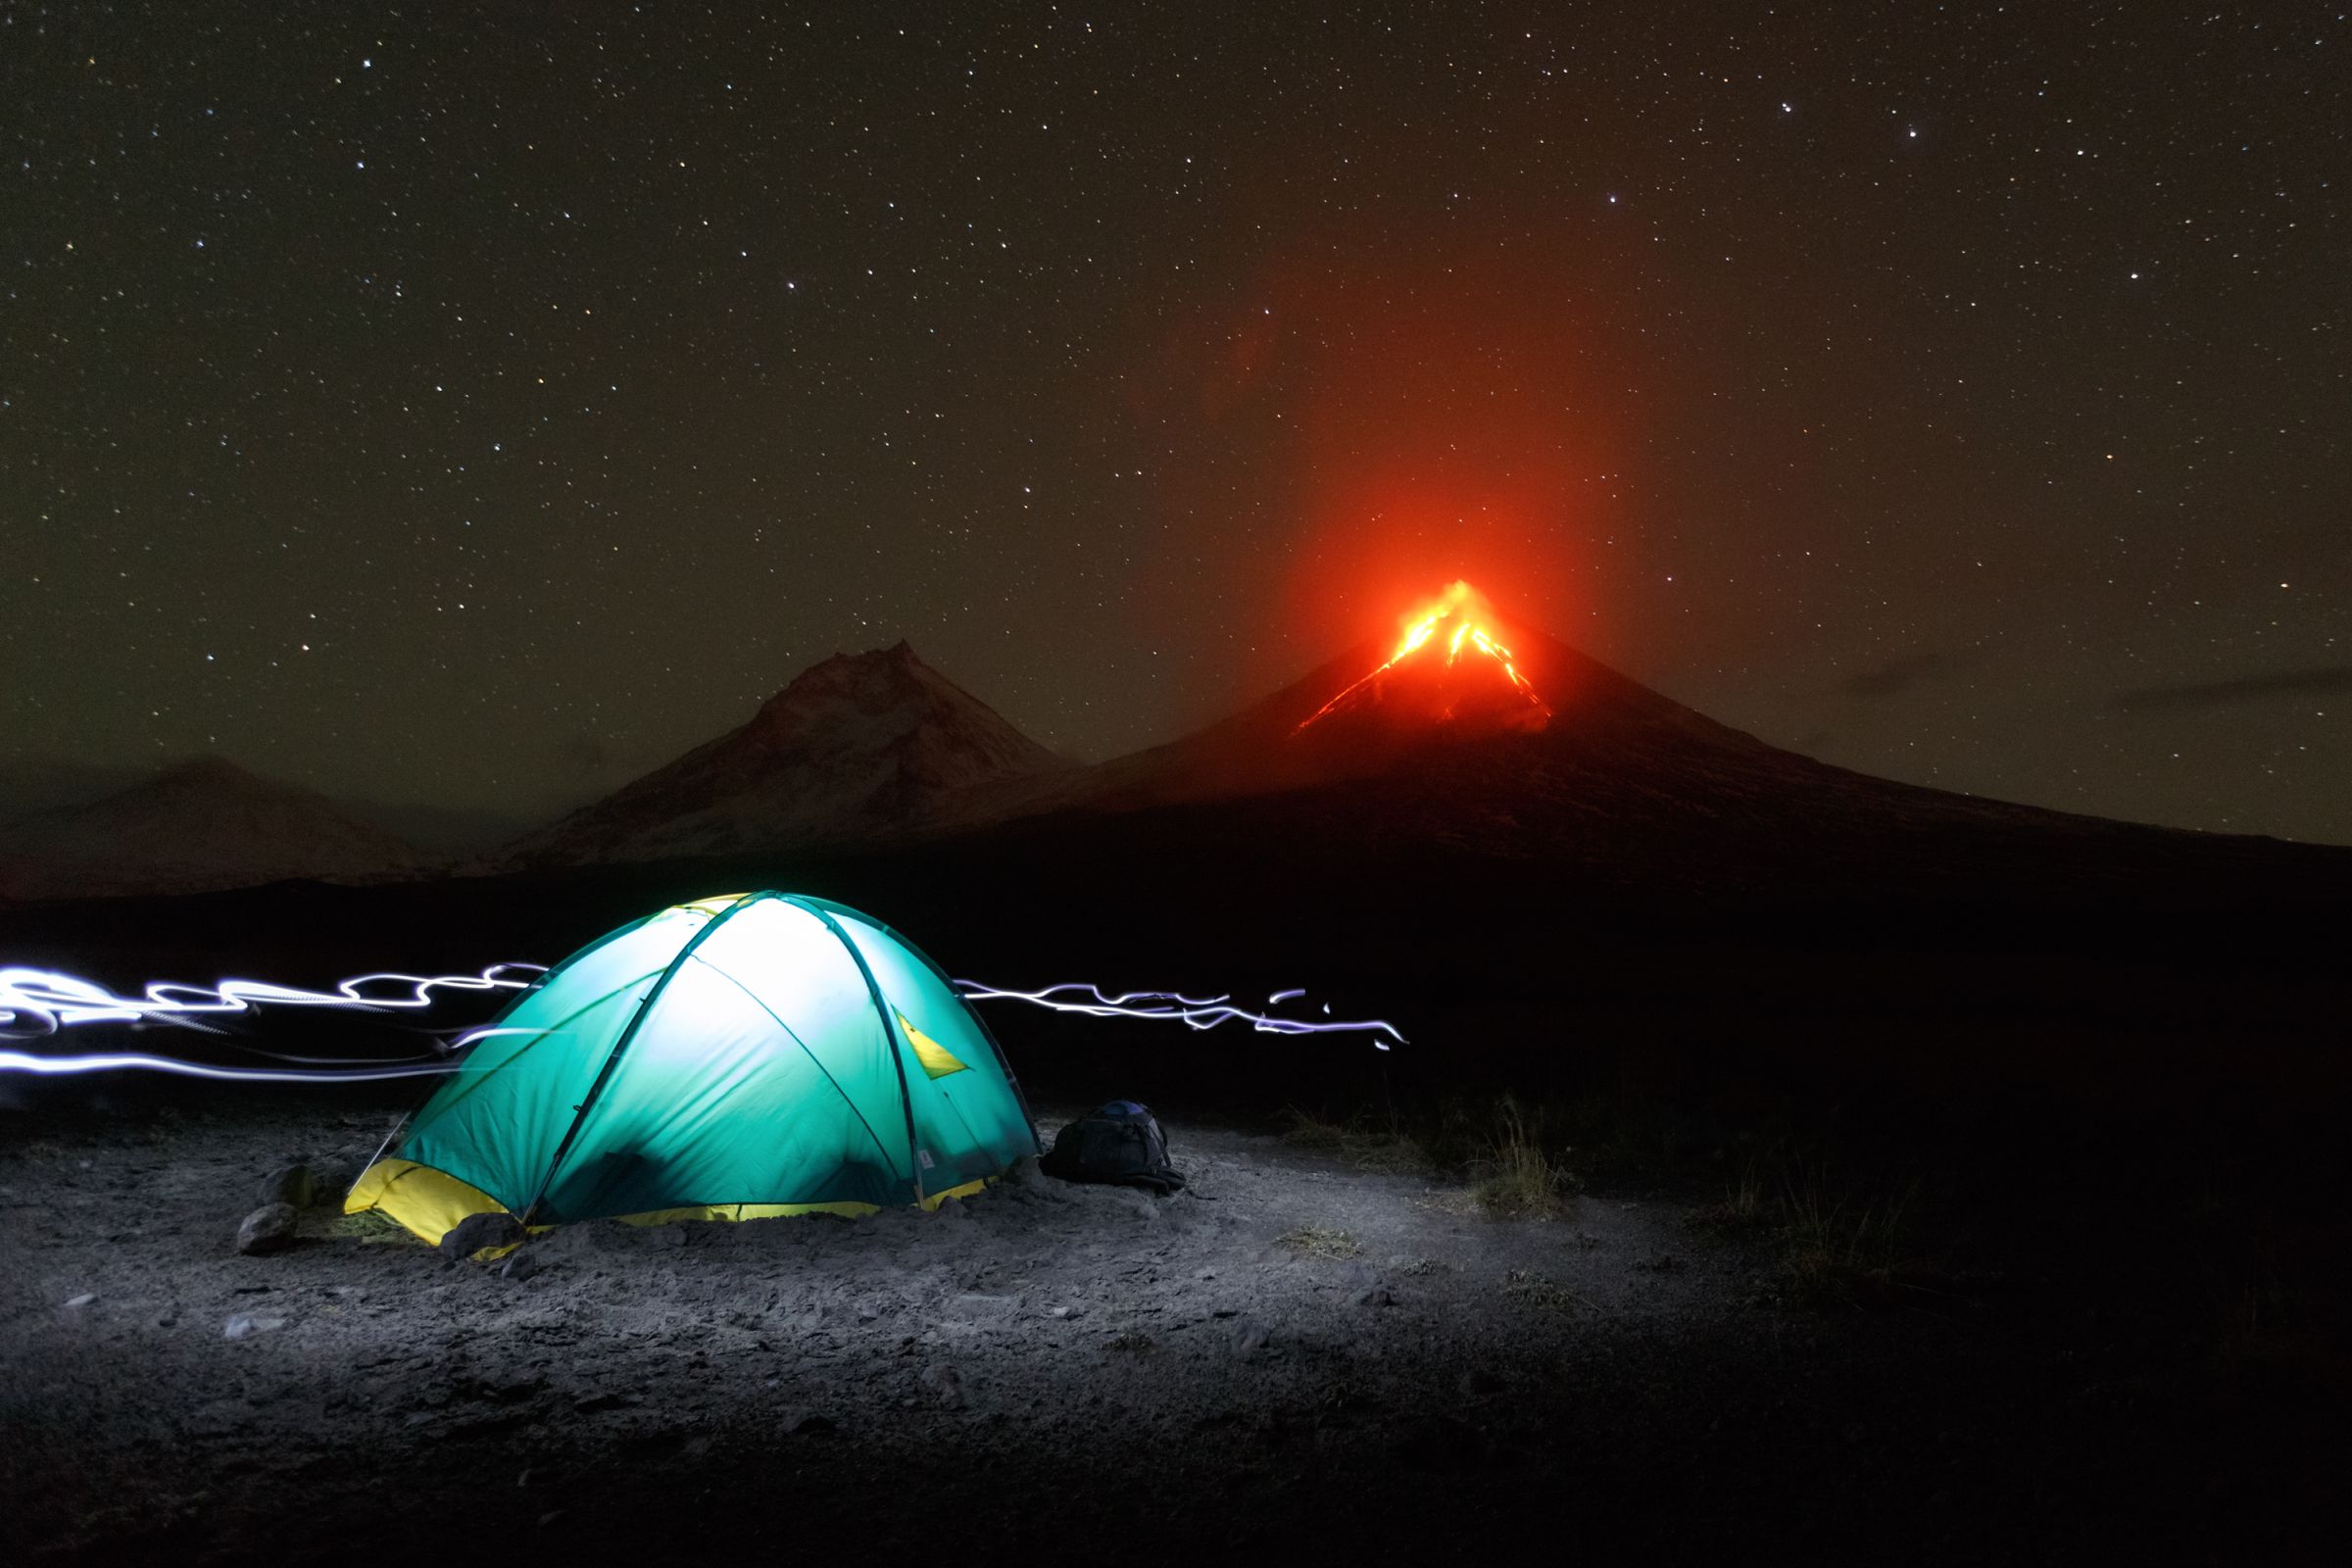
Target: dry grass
<point x="373" y="1227"/>
<point x="1839" y="1251"/>
<point x="1835" y="1245"/>
<point x="1367" y="1143"/>
<point x="1318" y="1241"/>
<point x="1531" y="1289"/>
<point x="1746" y="1208"/>
<point x="1519" y="1179"/>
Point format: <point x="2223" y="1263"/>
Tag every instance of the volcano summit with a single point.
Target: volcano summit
<point x="1449" y="667"/>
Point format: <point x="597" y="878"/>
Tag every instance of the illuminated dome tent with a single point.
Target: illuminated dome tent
<point x="738" y="1057"/>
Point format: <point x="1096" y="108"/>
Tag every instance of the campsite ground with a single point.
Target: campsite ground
<point x="1299" y="1355"/>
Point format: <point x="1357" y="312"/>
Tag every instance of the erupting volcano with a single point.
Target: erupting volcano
<point x="1450" y="666"/>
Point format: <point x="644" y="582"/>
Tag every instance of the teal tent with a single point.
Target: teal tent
<point x="737" y="1057"/>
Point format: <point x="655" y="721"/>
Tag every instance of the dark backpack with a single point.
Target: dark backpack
<point x="1119" y="1142"/>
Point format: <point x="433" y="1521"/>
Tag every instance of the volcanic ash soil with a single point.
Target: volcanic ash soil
<point x="1292" y="1354"/>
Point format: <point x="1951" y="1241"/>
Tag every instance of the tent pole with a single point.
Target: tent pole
<point x="613" y="1058"/>
<point x="882" y="1016"/>
<point x="1004" y="1062"/>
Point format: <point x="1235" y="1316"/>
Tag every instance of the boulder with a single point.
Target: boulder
<point x="268" y="1229"/>
<point x="945" y="1385"/>
<point x="293" y="1185"/>
<point x="470" y="1235"/>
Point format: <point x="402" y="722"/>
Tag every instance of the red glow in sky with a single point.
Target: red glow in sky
<point x="1418" y="420"/>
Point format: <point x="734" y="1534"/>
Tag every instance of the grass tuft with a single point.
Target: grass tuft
<point x="1531" y="1289"/>
<point x="1368" y="1142"/>
<point x="371" y="1227"/>
<point x="1836" y="1247"/>
<point x="1519" y="1179"/>
<point x="1744" y="1212"/>
<point x="1318" y="1241"/>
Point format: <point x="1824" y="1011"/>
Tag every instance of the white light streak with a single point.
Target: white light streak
<point x="1194" y="1013"/>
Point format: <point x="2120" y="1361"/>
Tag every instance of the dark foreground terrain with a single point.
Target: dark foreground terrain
<point x="1952" y="1195"/>
<point x="1298" y="1354"/>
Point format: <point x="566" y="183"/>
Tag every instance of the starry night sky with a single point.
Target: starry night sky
<point x="481" y="405"/>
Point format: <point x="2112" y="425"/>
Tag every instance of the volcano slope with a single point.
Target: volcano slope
<point x="1633" y="865"/>
<point x="1608" y="782"/>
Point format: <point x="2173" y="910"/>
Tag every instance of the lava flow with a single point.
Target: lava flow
<point x="1466" y="610"/>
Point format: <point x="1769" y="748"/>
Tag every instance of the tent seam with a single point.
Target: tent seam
<point x="627" y="1036"/>
<point x="890" y="1039"/>
<point x="815" y="1059"/>
<point x="1004" y="1062"/>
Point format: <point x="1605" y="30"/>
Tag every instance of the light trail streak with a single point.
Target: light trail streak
<point x="35" y="1003"/>
<point x="137" y="1062"/>
<point x="1195" y="1013"/>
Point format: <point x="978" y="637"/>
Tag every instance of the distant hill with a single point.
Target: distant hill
<point x="31" y="782"/>
<point x="447" y="832"/>
<point x="860" y="748"/>
<point x="204" y="825"/>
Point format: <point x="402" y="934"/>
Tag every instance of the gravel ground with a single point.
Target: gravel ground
<point x="1290" y="1356"/>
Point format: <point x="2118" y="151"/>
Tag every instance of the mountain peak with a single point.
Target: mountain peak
<point x="858" y="746"/>
<point x="899" y="652"/>
<point x="874" y="682"/>
<point x="898" y="656"/>
<point x="206" y="768"/>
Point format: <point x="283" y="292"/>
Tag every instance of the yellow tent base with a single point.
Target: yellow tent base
<point x="430" y="1203"/>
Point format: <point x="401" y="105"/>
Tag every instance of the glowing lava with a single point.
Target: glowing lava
<point x="1465" y="610"/>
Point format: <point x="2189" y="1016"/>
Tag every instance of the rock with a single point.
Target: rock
<point x="331" y="1179"/>
<point x="81" y="1301"/>
<point x="973" y="1307"/>
<point x="945" y="1385"/>
<point x="602" y="1402"/>
<point x="520" y="1266"/>
<point x="1249" y="1337"/>
<point x="1478" y="1383"/>
<point x="1443" y="1444"/>
<point x="812" y="1426"/>
<point x="245" y="1325"/>
<point x="293" y="1185"/>
<point x="470" y="1235"/>
<point x="268" y="1229"/>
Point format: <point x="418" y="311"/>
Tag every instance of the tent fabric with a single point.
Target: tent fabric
<point x="745" y="1057"/>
